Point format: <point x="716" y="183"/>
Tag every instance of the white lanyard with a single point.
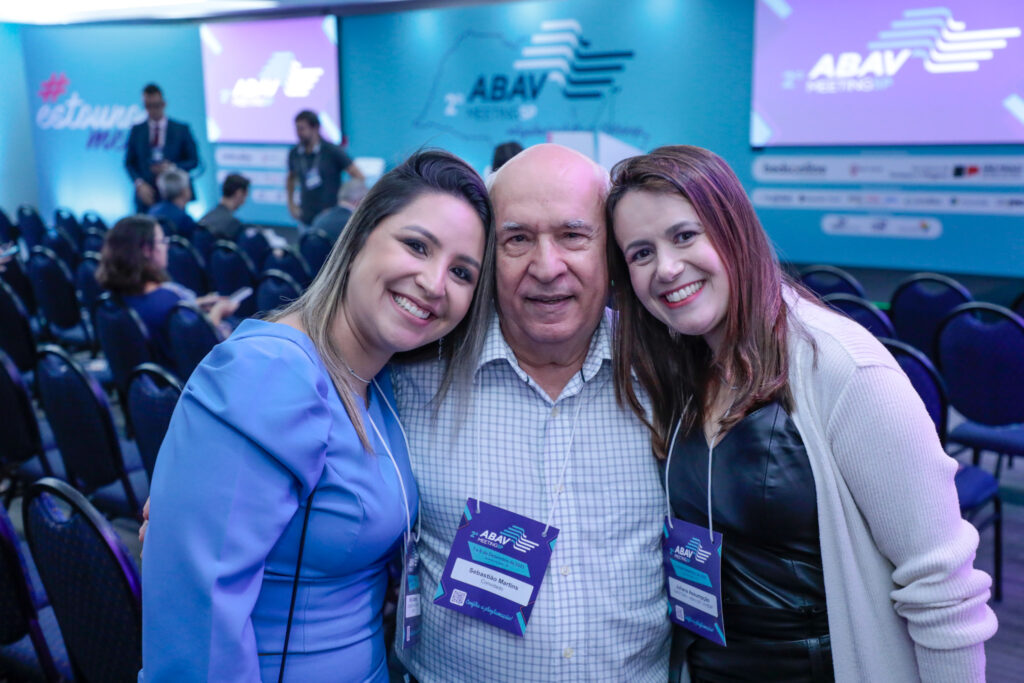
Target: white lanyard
<point x="565" y="459"/>
<point x="711" y="453"/>
<point x="401" y="481"/>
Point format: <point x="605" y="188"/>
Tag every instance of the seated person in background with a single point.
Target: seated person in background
<point x="332" y="221"/>
<point x="503" y="153"/>
<point x="221" y="221"/>
<point x="176" y="193"/>
<point x="133" y="265"/>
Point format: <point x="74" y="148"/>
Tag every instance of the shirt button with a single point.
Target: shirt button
<point x="567" y="653"/>
<point x="554" y="412"/>
<point x="565" y="571"/>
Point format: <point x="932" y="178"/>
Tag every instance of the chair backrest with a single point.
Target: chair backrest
<point x="77" y="411"/>
<point x="66" y="221"/>
<point x="979" y="348"/>
<point x="254" y="244"/>
<point x="290" y="261"/>
<point x="60" y="243"/>
<point x="194" y="336"/>
<point x="8" y="232"/>
<point x="90" y="578"/>
<point x="229" y="270"/>
<point x="824" y="280"/>
<point x="92" y="240"/>
<point x="315" y="245"/>
<point x="152" y="395"/>
<point x="185" y="265"/>
<point x="123" y="337"/>
<point x="89" y="289"/>
<point x="203" y="241"/>
<point x="91" y="219"/>
<point x="919" y="304"/>
<point x="276" y="288"/>
<point x="863" y="311"/>
<point x="167" y="225"/>
<point x="15" y="330"/>
<point x="31" y="225"/>
<point x="19" y="429"/>
<point x="17" y="603"/>
<point x="14" y="275"/>
<point x="926" y="381"/>
<point x="54" y="288"/>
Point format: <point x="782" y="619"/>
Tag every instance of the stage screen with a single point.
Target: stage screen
<point x="831" y="72"/>
<point x="257" y="75"/>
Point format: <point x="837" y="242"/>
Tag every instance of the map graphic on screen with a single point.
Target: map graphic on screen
<point x="878" y="72"/>
<point x="258" y="75"/>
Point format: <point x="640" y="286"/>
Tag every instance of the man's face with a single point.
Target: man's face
<point x="241" y="196"/>
<point x="154" y="105"/>
<point x="552" y="278"/>
<point x="305" y="132"/>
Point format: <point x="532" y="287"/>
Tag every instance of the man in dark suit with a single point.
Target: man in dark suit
<point x="156" y="145"/>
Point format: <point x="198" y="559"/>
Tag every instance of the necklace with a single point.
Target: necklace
<point x="353" y="372"/>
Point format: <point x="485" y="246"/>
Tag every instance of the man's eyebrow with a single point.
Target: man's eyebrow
<point x="580" y="224"/>
<point x="511" y="225"/>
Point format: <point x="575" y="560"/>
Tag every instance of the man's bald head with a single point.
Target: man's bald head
<point x="551" y="164"/>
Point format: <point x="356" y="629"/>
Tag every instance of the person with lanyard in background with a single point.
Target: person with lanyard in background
<point x="283" y="487"/>
<point x="315" y="167"/>
<point x="553" y="572"/>
<point x="156" y="145"/>
<point x="812" y="530"/>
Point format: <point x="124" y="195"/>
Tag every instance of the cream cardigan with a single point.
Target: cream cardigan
<point x="904" y="600"/>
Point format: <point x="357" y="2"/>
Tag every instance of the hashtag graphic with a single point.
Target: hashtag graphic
<point x="53" y="87"/>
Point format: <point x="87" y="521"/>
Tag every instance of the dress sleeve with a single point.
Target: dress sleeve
<point x="246" y="444"/>
<point x="890" y="457"/>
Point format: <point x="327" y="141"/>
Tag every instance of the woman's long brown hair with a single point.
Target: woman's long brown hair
<point x="679" y="372"/>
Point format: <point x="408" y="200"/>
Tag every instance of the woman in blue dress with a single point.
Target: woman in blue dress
<point x="294" y="414"/>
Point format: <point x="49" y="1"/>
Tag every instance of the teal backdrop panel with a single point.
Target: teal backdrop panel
<point x="615" y="79"/>
<point x="85" y="92"/>
<point x="17" y="159"/>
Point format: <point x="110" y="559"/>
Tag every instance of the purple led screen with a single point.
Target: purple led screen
<point x="832" y="72"/>
<point x="258" y="75"/>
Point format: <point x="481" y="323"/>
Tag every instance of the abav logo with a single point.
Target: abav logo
<point x="515" y="535"/>
<point x="692" y="550"/>
<point x="281" y="72"/>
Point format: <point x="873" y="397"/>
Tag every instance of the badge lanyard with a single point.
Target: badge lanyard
<point x="693" y="572"/>
<point x="409" y="598"/>
<point x="498" y="559"/>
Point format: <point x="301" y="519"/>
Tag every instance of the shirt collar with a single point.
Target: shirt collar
<point x="496" y="348"/>
<point x="160" y="123"/>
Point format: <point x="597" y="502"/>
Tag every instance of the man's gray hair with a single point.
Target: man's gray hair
<point x="352" y="192"/>
<point x="172" y="183"/>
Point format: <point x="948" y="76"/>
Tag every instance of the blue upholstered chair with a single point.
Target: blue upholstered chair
<point x="89" y="289"/>
<point x="123" y="337"/>
<point x="95" y="461"/>
<point x="288" y="260"/>
<point x="31" y="647"/>
<point x="194" y="336"/>
<point x="92" y="220"/>
<point x="55" y="291"/>
<point x="8" y="231"/>
<point x="203" y="241"/>
<point x="30" y="225"/>
<point x="976" y="488"/>
<point x="979" y="349"/>
<point x="16" y="335"/>
<point x="152" y="394"/>
<point x="91" y="580"/>
<point x="61" y="244"/>
<point x="64" y="220"/>
<point x="864" y="312"/>
<point x="93" y="240"/>
<point x="275" y="289"/>
<point x="315" y="246"/>
<point x="919" y="304"/>
<point x="254" y="244"/>
<point x="186" y="265"/>
<point x="17" y="279"/>
<point x="230" y="269"/>
<point x="825" y="280"/>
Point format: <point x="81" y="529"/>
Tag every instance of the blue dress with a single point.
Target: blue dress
<point x="258" y="428"/>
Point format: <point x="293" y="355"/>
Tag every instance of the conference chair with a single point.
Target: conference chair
<point x="93" y="240"/>
<point x="919" y="303"/>
<point x="824" y="280"/>
<point x="16" y="336"/>
<point x="153" y="393"/>
<point x="203" y="241"/>
<point x="58" y="300"/>
<point x="862" y="311"/>
<point x="229" y="270"/>
<point x="64" y="220"/>
<point x="976" y="488"/>
<point x="194" y="336"/>
<point x="275" y="289"/>
<point x="315" y="245"/>
<point x="60" y="243"/>
<point x="185" y="265"/>
<point x="31" y="647"/>
<point x="30" y="225"/>
<point x="23" y="458"/>
<point x="89" y="289"/>
<point x="92" y="220"/>
<point x="254" y="243"/>
<point x="91" y="580"/>
<point x="15" y="276"/>
<point x="123" y="337"/>
<point x="288" y="260"/>
<point x="95" y="461"/>
<point x="8" y="231"/>
<point x="979" y="349"/>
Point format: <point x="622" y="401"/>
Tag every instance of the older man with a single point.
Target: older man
<point x="176" y="193"/>
<point x="543" y="437"/>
